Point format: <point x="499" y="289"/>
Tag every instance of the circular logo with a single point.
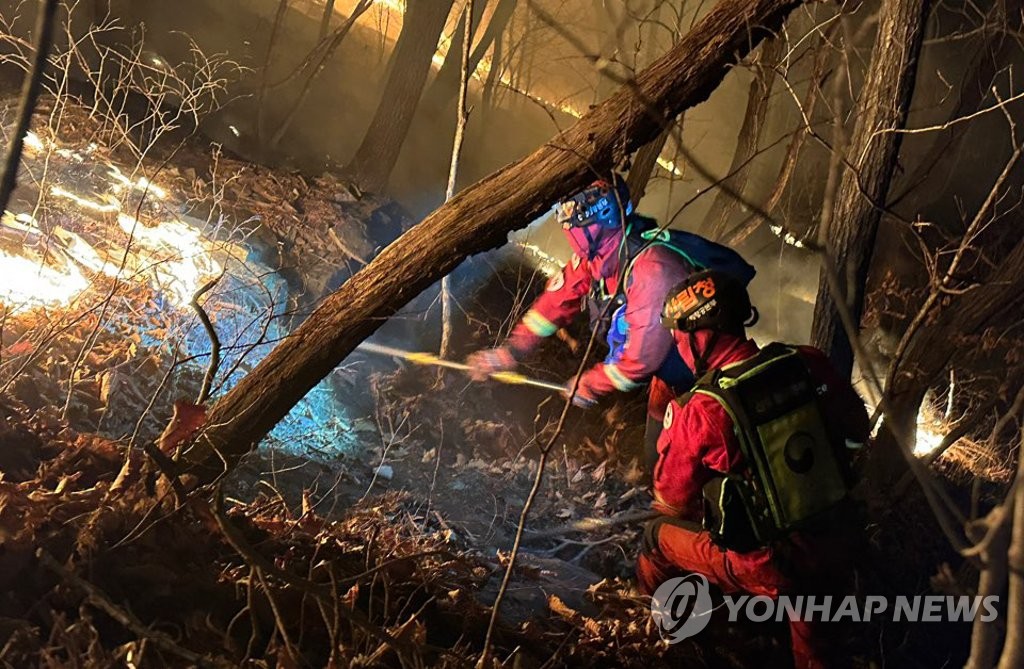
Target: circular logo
<point x="556" y="282"/>
<point x="667" y="422"/>
<point x="681" y="607"/>
<point x="799" y="452"/>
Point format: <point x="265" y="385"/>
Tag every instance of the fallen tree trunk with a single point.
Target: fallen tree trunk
<point x="477" y="219"/>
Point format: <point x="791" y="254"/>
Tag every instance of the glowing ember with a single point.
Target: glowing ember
<point x="33" y="142"/>
<point x="142" y="184"/>
<point x="29" y="284"/>
<point x="179" y="259"/>
<point x="786" y="236"/>
<point x="58" y="191"/>
<point x="547" y="263"/>
<point x="930" y="431"/>
<point x="51" y="266"/>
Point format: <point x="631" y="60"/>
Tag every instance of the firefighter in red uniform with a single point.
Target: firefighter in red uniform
<point x="704" y="452"/>
<point x="641" y="349"/>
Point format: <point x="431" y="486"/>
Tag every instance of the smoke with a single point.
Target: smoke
<point x="562" y="82"/>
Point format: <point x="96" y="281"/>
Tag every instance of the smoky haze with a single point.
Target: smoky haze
<point x="555" y="78"/>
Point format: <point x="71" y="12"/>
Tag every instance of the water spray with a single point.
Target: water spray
<point x="418" y="358"/>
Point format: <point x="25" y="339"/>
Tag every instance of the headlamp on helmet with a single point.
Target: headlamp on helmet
<point x="595" y="204"/>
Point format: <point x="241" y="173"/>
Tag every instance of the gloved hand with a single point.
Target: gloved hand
<point x="582" y="398"/>
<point x="488" y="361"/>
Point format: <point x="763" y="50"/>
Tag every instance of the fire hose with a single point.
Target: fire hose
<point x="418" y="358"/>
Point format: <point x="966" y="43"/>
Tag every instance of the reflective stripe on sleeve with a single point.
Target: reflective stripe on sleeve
<point x="539" y="325"/>
<point x="618" y="379"/>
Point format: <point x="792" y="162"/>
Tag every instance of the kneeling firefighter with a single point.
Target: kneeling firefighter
<point x="618" y="257"/>
<point x="754" y="463"/>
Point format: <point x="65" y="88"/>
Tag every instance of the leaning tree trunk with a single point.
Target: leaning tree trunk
<point x="873" y="152"/>
<point x="477" y="219"/>
<point x="376" y="156"/>
<point x="749" y="136"/>
<point x="325" y="21"/>
<point x="644" y="163"/>
<point x="737" y="235"/>
<point x="445" y="85"/>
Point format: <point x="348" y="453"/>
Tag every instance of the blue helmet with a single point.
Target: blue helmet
<point x="595" y="204"/>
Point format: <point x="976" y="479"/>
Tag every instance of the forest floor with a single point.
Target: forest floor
<point x="386" y="550"/>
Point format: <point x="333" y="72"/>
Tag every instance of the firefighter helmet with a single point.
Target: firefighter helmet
<point x="708" y="300"/>
<point x="597" y="203"/>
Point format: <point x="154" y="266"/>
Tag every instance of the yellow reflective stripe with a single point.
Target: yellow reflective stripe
<point x="539" y="325"/>
<point x="618" y="379"/>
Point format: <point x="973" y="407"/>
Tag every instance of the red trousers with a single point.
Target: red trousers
<point x="674" y="546"/>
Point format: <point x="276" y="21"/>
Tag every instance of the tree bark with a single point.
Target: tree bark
<point x="717" y="221"/>
<point x="874" y="150"/>
<point x="740" y="233"/>
<point x="475" y="220"/>
<point x="325" y="22"/>
<point x="644" y="163"/>
<point x="985" y="636"/>
<point x="1012" y="656"/>
<point x="376" y="156"/>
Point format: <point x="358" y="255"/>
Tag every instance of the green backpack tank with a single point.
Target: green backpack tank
<point x="796" y="474"/>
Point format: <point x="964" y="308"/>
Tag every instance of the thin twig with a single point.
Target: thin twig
<point x="462" y="117"/>
<point x="282" y="7"/>
<point x="101" y="601"/>
<point x="339" y="37"/>
<point x="214" y="364"/>
<point x="940" y="286"/>
<point x="588" y="525"/>
<point x="255" y="559"/>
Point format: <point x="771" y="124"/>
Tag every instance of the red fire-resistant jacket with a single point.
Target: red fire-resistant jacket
<point x="655" y="271"/>
<point x="699" y="442"/>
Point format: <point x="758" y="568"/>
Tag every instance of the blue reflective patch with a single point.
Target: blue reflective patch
<point x="251" y="314"/>
<point x="618" y="335"/>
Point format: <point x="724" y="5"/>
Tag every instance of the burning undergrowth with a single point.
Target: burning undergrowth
<point x="957" y="419"/>
<point x="106" y="270"/>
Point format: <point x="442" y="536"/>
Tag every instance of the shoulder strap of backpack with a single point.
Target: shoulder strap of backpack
<point x="765" y="358"/>
<point x="701" y="252"/>
<point x="709" y="385"/>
